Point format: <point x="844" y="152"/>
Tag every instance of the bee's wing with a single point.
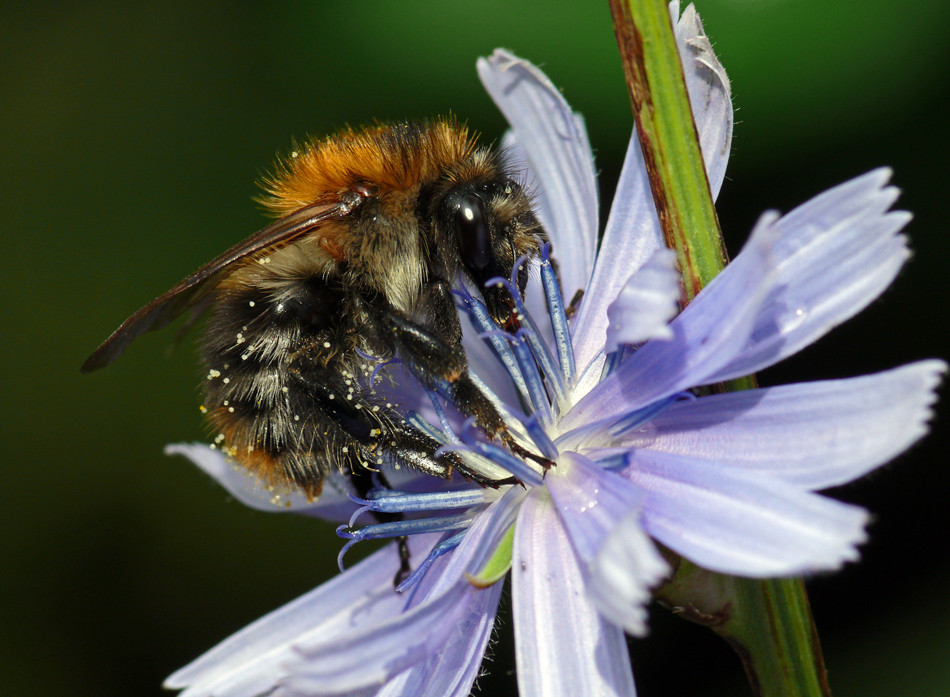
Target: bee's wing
<point x="191" y="290"/>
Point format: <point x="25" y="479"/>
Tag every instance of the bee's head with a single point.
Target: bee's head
<point x="486" y="225"/>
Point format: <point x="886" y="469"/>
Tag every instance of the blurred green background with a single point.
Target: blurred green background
<point x="131" y="136"/>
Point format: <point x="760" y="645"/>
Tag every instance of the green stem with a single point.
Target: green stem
<point x="668" y="139"/>
<point x="768" y="623"/>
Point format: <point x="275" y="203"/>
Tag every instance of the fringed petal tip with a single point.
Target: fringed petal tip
<point x="741" y="523"/>
<point x="710" y="93"/>
<point x="633" y="229"/>
<point x="625" y="570"/>
<point x="813" y="435"/>
<point x="834" y="255"/>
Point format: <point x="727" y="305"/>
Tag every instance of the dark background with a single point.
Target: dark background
<point x="130" y="141"/>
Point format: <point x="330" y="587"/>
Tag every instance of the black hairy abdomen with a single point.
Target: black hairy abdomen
<point x="284" y="382"/>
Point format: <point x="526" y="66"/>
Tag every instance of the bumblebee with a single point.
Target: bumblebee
<point x="374" y="227"/>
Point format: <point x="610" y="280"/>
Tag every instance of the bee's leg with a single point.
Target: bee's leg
<point x="372" y="436"/>
<point x="471" y="400"/>
<point x="417" y="450"/>
<point x="434" y="360"/>
<point x="444" y="316"/>
<point x="376" y="433"/>
<point x="436" y="355"/>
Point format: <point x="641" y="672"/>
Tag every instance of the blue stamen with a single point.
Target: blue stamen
<point x="476" y="461"/>
<point x="356" y="514"/>
<point x="384" y="364"/>
<point x="405" y="502"/>
<point x="448" y="436"/>
<point x="533" y="334"/>
<point x="439" y="411"/>
<point x="504" y="409"/>
<point x="558" y="313"/>
<point x="533" y="430"/>
<point x="368" y="356"/>
<point x="540" y="437"/>
<point x="541" y="376"/>
<point x="446" y="545"/>
<point x="400" y="528"/>
<point x="416" y="421"/>
<point x="537" y="395"/>
<point x="487" y="329"/>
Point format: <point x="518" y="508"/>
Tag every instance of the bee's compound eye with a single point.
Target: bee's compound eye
<point x="471" y="223"/>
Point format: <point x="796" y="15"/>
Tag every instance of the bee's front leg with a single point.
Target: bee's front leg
<point x="436" y="356"/>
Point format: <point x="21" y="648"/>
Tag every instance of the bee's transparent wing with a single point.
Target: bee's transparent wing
<point x="195" y="287"/>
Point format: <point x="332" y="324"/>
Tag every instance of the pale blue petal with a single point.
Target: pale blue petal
<point x="742" y="523"/>
<point x="554" y="141"/>
<point x="452" y="670"/>
<point x="835" y="254"/>
<point x="250" y="662"/>
<point x="590" y="500"/>
<point x="705" y="337"/>
<point x="371" y="655"/>
<point x="601" y="512"/>
<point x="563" y="645"/>
<point x="333" y="504"/>
<point x="710" y="95"/>
<point x="646" y="304"/>
<point x="632" y="234"/>
<point x="826" y="261"/>
<point x="813" y="435"/>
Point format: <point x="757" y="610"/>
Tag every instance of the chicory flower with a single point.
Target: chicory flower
<point x="609" y="395"/>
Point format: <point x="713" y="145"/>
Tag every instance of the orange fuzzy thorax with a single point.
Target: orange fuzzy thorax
<point x="390" y="157"/>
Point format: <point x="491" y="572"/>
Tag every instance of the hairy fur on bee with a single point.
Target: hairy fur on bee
<point x="279" y="352"/>
<point x="286" y="342"/>
<point x="375" y="226"/>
